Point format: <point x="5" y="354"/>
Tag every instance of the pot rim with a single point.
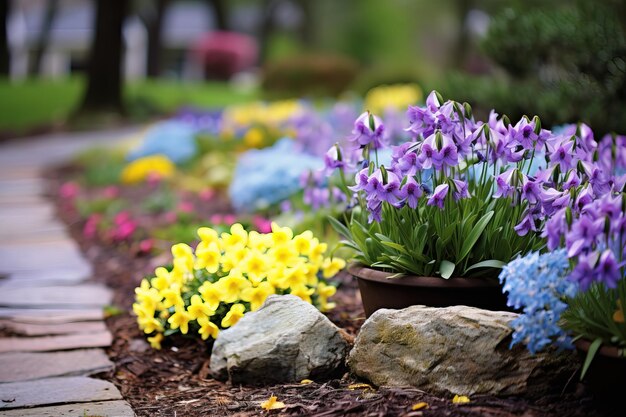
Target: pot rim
<point x="369" y="274"/>
<point x="605" y="350"/>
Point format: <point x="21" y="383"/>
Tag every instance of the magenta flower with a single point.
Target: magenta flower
<point x="69" y="190"/>
<point x="438" y="196"/>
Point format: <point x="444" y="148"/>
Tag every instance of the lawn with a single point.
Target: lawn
<point x="29" y="104"/>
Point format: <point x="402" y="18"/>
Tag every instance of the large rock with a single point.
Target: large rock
<point x="459" y="350"/>
<point x="285" y="340"/>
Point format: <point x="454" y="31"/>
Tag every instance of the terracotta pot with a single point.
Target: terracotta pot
<point x="606" y="376"/>
<point x="380" y="291"/>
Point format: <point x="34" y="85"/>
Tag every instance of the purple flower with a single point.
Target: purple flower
<point x="411" y="192"/>
<point x="531" y="190"/>
<point x="572" y="180"/>
<point x="360" y="179"/>
<point x="524" y="133"/>
<point x="438" y="151"/>
<point x="389" y="189"/>
<point x="554" y="228"/>
<point x="461" y="190"/>
<point x="583" y="235"/>
<point x="583" y="272"/>
<point x="375" y="208"/>
<point x="526" y="225"/>
<point x="504" y="182"/>
<point x="608" y="269"/>
<point x="562" y="154"/>
<point x="439" y="195"/>
<point x="368" y="130"/>
<point x="333" y="159"/>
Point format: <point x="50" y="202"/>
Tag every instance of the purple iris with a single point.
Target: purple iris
<point x="531" y="190"/>
<point x="526" y="225"/>
<point x="504" y="181"/>
<point x="608" y="270"/>
<point x="438" y="196"/>
<point x="583" y="235"/>
<point x="461" y="190"/>
<point x="389" y="189"/>
<point x="524" y="133"/>
<point x="333" y="159"/>
<point x="368" y="130"/>
<point x="411" y="192"/>
<point x="584" y="272"/>
<point x="438" y="151"/>
<point x="554" y="228"/>
<point x="562" y="154"/>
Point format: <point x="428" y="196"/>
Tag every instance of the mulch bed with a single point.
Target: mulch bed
<point x="176" y="379"/>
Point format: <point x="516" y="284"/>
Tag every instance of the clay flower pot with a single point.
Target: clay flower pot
<point x="606" y="376"/>
<point x="379" y="291"/>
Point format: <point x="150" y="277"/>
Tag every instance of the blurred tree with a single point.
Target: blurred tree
<point x="220" y="10"/>
<point x="152" y="15"/>
<point x="104" y="72"/>
<point x="44" y="36"/>
<point x="5" y="67"/>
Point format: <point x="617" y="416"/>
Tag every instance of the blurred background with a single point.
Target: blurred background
<point x="76" y="64"/>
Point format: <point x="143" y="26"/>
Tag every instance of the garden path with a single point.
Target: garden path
<point x="51" y="315"/>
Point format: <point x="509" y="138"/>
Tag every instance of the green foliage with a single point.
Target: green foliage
<point x="160" y="201"/>
<point x="105" y="206"/>
<point x="592" y="314"/>
<point x="566" y="62"/>
<point x="101" y="166"/>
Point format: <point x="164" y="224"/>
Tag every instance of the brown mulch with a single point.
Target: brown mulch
<point x="176" y="380"/>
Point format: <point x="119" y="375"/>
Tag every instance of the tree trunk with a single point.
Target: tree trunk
<point x="44" y="36"/>
<point x="220" y="9"/>
<point x="104" y="72"/>
<point x="5" y="67"/>
<point x="154" y="24"/>
<point x="267" y="27"/>
<point x="462" y="43"/>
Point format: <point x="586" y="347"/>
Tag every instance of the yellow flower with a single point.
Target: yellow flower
<point x="317" y="251"/>
<point x="180" y="319"/>
<point x="255" y="265"/>
<point x="147" y="295"/>
<point x="237" y="237"/>
<point x="171" y="297"/>
<point x="207" y="328"/>
<point x="232" y="285"/>
<point x="149" y="324"/>
<point x="256" y="295"/>
<point x="397" y="96"/>
<point x="330" y="267"/>
<point x="162" y="279"/>
<point x="284" y="254"/>
<point x="460" y="399"/>
<point x="253" y="138"/>
<point x="419" y="406"/>
<point x="281" y="235"/>
<point x="257" y="241"/>
<point x="208" y="235"/>
<point x="155" y="341"/>
<point x="208" y="257"/>
<point x="140" y="169"/>
<point x="302" y="242"/>
<point x="303" y="292"/>
<point x="211" y="294"/>
<point x="294" y="277"/>
<point x="272" y="404"/>
<point x="276" y="275"/>
<point x="235" y="313"/>
<point x="198" y="309"/>
<point x="324" y="292"/>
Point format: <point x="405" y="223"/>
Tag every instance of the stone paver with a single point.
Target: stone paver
<point x="42" y="294"/>
<point x="20" y="366"/>
<point x="100" y="409"/>
<point x="85" y="295"/>
<point x="51" y="343"/>
<point x="62" y="390"/>
<point x="29" y="329"/>
<point x="51" y="316"/>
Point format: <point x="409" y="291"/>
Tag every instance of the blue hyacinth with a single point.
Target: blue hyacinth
<point x="174" y="139"/>
<point x="267" y="176"/>
<point x="537" y="285"/>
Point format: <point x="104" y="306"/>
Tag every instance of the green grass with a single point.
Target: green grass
<point x="33" y="103"/>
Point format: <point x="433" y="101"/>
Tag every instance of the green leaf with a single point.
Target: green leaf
<point x="472" y="238"/>
<point x="339" y="227"/>
<point x="593" y="349"/>
<point x="446" y="268"/>
<point x="170" y="332"/>
<point x="396" y="246"/>
<point x="491" y="263"/>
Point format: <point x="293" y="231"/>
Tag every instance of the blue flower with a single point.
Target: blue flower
<point x="537" y="285"/>
<point x="174" y="139"/>
<point x="267" y="176"/>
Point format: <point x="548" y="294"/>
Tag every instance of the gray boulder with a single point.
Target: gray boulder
<point x="458" y="350"/>
<point x="286" y="340"/>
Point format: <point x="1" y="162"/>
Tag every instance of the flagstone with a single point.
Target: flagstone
<point x="41" y="256"/>
<point x="51" y="315"/>
<point x="51" y="277"/>
<point x="50" y="343"/>
<point x="20" y="187"/>
<point x="60" y="390"/>
<point x="83" y="295"/>
<point x="20" y="366"/>
<point x="101" y="409"/>
<point x="30" y="329"/>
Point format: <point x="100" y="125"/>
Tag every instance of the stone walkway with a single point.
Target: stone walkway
<point x="45" y="298"/>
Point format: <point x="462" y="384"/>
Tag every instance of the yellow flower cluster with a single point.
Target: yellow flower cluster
<point x="397" y="96"/>
<point x="140" y="169"/>
<point x="227" y="275"/>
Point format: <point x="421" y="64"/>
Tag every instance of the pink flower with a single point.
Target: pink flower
<point x="146" y="245"/>
<point x="207" y="194"/>
<point x="111" y="192"/>
<point x="216" y="219"/>
<point x="124" y="231"/>
<point x="121" y="218"/>
<point x="170" y="217"/>
<point x="91" y="226"/>
<point x="229" y="219"/>
<point x="262" y="225"/>
<point x="69" y="190"/>
<point x="185" y="207"/>
<point x="154" y="179"/>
